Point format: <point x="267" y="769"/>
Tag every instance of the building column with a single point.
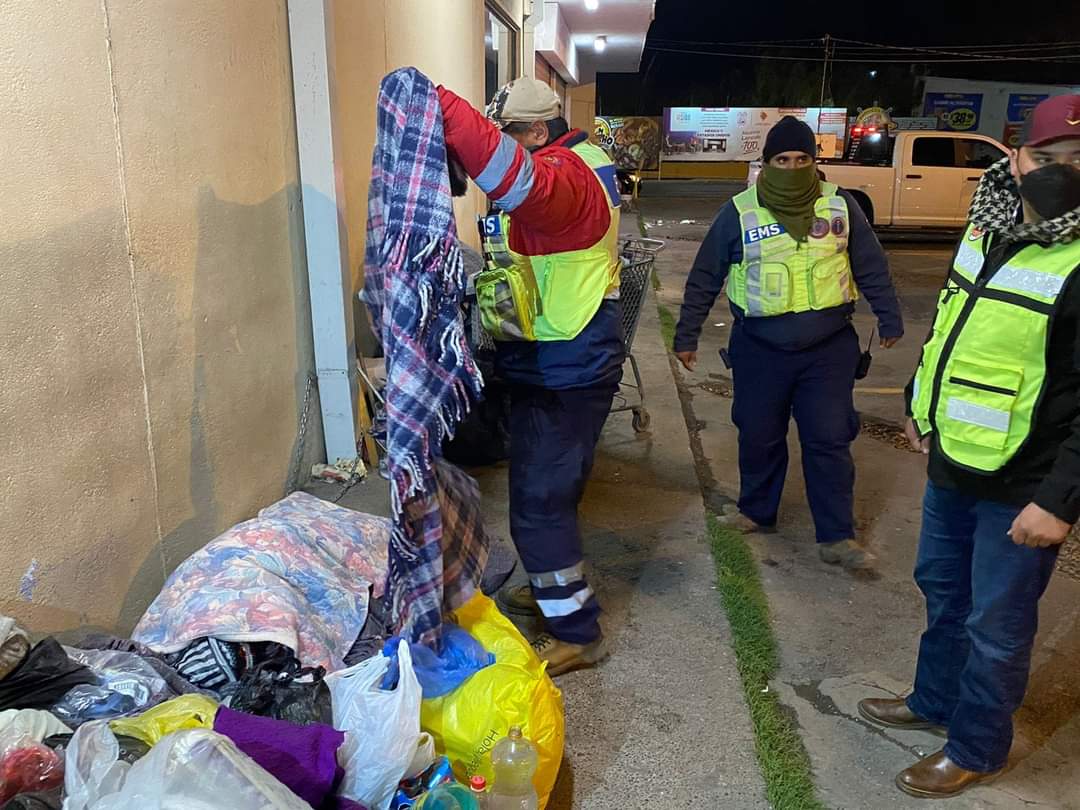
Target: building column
<point x="311" y="40"/>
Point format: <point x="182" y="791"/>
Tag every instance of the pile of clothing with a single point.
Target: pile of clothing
<point x="228" y="692"/>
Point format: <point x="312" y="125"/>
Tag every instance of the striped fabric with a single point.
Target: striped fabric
<point x="211" y="664"/>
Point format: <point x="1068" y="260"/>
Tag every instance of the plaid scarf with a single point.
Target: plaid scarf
<point x="996" y="208"/>
<point x="413" y="286"/>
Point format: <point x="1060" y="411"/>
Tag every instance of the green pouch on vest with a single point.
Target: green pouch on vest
<point x="506" y="293"/>
<point x="508" y="303"/>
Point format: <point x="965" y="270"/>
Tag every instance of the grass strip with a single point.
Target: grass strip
<point x="667" y="326"/>
<point x="784" y="763"/>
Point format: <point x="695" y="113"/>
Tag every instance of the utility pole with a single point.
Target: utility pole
<point x="825" y="69"/>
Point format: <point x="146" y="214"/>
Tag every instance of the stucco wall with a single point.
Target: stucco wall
<point x="155" y="334"/>
<point x="373" y="37"/>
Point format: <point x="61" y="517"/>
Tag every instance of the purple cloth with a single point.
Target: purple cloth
<point x="303" y="758"/>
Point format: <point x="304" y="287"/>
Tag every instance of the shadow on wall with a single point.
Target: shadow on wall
<point x="73" y="460"/>
<point x="253" y="356"/>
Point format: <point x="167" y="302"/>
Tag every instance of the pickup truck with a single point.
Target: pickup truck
<point x="915" y="179"/>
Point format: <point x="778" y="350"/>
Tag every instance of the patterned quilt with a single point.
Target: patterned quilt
<point x="300" y="574"/>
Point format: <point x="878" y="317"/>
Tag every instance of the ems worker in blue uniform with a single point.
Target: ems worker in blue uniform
<point x="795" y="252"/>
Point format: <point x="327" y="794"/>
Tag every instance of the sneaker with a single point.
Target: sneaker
<point x="519" y="600"/>
<point x="734" y="519"/>
<point x="847" y="553"/>
<point x="562" y="656"/>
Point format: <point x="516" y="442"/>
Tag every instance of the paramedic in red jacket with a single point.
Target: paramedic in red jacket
<point x="556" y="195"/>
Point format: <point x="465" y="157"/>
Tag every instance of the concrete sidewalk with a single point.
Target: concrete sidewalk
<point x="662" y="723"/>
<point x="844" y="638"/>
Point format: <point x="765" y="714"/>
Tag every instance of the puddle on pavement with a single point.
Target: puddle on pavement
<point x="721" y="389"/>
<point x="886" y="432"/>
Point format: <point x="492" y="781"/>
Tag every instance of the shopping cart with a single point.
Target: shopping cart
<point x="639" y="256"/>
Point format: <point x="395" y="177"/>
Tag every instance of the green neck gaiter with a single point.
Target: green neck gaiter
<point x="790" y="194"/>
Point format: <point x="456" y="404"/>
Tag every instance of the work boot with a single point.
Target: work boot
<point x="894" y="713"/>
<point x="563" y="657"/>
<point x="847" y="553"/>
<point x="731" y="517"/>
<point x="938" y="777"/>
<point x="519" y="600"/>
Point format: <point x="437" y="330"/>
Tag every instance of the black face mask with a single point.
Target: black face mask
<point x="1053" y="190"/>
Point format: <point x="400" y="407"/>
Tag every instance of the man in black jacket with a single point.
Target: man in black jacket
<point x="994" y="404"/>
<point x="795" y="252"/>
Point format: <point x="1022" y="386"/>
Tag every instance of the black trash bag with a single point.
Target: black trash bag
<point x="378" y="627"/>
<point x="132" y="749"/>
<point x="44" y="676"/>
<point x="284" y="691"/>
<point x="482" y="438"/>
<point x="47" y="800"/>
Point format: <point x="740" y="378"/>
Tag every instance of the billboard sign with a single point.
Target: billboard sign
<point x="1017" y="111"/>
<point x="633" y="141"/>
<point x="738" y="133"/>
<point x="956" y="112"/>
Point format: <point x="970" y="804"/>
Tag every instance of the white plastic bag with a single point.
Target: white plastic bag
<point x="382" y="727"/>
<point x="196" y="769"/>
<point x="36" y="724"/>
<point x="92" y="766"/>
<point x="423" y="758"/>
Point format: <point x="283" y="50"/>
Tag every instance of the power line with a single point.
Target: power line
<point x="1064" y="59"/>
<point x="1014" y="46"/>
<point x="964" y="54"/>
<point x="873" y="50"/>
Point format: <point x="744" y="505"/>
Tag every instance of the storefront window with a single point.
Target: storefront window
<point x="500" y="54"/>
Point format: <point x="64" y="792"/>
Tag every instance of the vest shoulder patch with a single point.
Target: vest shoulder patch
<point x="751" y="235"/>
<point x="610" y="180"/>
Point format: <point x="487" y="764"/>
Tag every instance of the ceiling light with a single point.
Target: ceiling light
<point x="600" y="44"/>
<point x="592" y="5"/>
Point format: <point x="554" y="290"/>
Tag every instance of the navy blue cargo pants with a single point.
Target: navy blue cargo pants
<point x="815" y="385"/>
<point x="553" y="436"/>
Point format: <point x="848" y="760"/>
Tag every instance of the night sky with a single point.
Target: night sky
<point x="669" y="79"/>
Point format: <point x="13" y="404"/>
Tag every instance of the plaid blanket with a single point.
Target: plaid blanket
<point x="465" y="543"/>
<point x="413" y="285"/>
<point x="443" y="572"/>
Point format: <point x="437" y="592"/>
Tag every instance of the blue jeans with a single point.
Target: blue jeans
<point x="982" y="607"/>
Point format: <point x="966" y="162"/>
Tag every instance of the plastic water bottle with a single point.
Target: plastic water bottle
<point x="514" y="760"/>
<point x="478" y="786"/>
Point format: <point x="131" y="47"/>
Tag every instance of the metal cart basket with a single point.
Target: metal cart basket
<point x="639" y="256"/>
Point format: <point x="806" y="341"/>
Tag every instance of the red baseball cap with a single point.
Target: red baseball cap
<point x="1052" y="120"/>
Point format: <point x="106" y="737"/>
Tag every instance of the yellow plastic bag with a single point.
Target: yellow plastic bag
<point x="186" y="711"/>
<point x="514" y="691"/>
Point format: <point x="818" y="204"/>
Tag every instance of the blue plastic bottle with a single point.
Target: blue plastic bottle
<point x="450" y="796"/>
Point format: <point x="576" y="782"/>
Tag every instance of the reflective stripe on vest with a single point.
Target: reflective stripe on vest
<point x="778" y="275"/>
<point x="983" y="369"/>
<point x="572" y="284"/>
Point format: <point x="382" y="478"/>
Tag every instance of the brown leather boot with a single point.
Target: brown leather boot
<point x="519" y="600"/>
<point x="938" y="777"/>
<point x="731" y="517"/>
<point x="894" y="713"/>
<point x="563" y="657"/>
